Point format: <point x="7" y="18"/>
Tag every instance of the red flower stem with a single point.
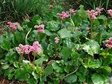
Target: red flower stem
<point x="106" y="52"/>
<point x="91" y="26"/>
<point x="29" y="58"/>
<point x="21" y="57"/>
<point x="34" y="59"/>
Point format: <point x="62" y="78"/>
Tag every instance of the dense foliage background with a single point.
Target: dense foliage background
<point x="73" y="41"/>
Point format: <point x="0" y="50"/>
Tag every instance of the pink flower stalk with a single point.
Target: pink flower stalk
<point x="109" y="43"/>
<point x="110" y="12"/>
<point x="99" y="10"/>
<point x="13" y="26"/>
<point x="72" y="11"/>
<point x="63" y="15"/>
<point x="92" y="14"/>
<point x="56" y="40"/>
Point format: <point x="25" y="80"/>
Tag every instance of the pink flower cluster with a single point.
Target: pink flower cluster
<point x="13" y="26"/>
<point x="110" y="12"/>
<point x="36" y="47"/>
<point x="72" y="11"/>
<point x="40" y="28"/>
<point x="109" y="43"/>
<point x="66" y="14"/>
<point x="56" y="40"/>
<point x="99" y="10"/>
<point x="63" y="15"/>
<point x="92" y="14"/>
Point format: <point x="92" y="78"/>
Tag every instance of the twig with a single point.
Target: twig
<point x="70" y="74"/>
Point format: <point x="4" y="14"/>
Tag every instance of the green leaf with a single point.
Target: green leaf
<point x="32" y="81"/>
<point x="52" y="26"/>
<point x="6" y="66"/>
<point x="41" y="60"/>
<point x="10" y="76"/>
<point x="48" y="33"/>
<point x="82" y="13"/>
<point x="91" y="47"/>
<point x="82" y="78"/>
<point x="48" y="69"/>
<point x="76" y="19"/>
<point x="91" y="63"/>
<point x="106" y="68"/>
<point x="97" y="79"/>
<point x="19" y="37"/>
<point x="21" y="74"/>
<point x="65" y="53"/>
<point x="66" y="69"/>
<point x="64" y="33"/>
<point x="9" y="71"/>
<point x="71" y="78"/>
<point x="16" y="64"/>
<point x="37" y="19"/>
<point x="56" y="67"/>
<point x="36" y="76"/>
<point x="6" y="45"/>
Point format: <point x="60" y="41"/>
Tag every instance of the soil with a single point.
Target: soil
<point x="4" y="80"/>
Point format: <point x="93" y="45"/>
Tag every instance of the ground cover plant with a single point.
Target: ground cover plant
<point x="63" y="47"/>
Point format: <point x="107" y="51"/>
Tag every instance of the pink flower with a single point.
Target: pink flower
<point x="110" y="12"/>
<point x="109" y="43"/>
<point x="36" y="26"/>
<point x="32" y="49"/>
<point x="73" y="11"/>
<point x="99" y="10"/>
<point x="38" y="50"/>
<point x="92" y="14"/>
<point x="27" y="49"/>
<point x="56" y="40"/>
<point x="51" y="6"/>
<point x="36" y="44"/>
<point x="41" y="26"/>
<point x="41" y="30"/>
<point x="9" y="23"/>
<point x="13" y="26"/>
<point x="17" y="24"/>
<point x="63" y="15"/>
<point x="19" y="50"/>
<point x="87" y="28"/>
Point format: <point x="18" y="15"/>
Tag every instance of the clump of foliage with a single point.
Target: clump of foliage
<point x="19" y="10"/>
<point x="70" y="48"/>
